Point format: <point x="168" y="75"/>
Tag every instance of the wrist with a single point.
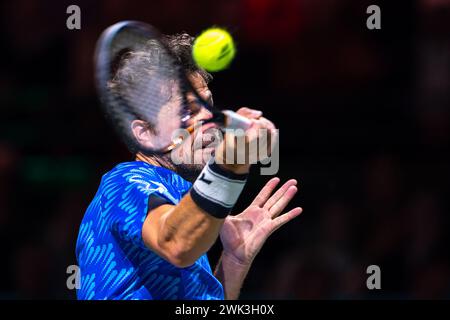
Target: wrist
<point x="216" y="190"/>
<point x="221" y="160"/>
<point x="236" y="168"/>
<point x="229" y="258"/>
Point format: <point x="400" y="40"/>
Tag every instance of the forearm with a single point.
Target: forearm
<point x="231" y="273"/>
<point x="188" y="231"/>
<point x="184" y="232"/>
<point x="192" y="227"/>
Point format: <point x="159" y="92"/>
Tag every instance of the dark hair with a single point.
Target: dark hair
<point x="133" y="64"/>
<point x="181" y="46"/>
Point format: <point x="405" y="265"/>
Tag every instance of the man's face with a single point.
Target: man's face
<point x="204" y="140"/>
<point x="201" y="144"/>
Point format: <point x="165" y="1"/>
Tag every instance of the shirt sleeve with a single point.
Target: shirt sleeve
<point x="132" y="197"/>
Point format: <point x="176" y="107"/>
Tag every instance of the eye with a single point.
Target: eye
<point x="191" y="109"/>
<point x="194" y="107"/>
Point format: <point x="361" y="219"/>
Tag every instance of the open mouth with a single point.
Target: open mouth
<point x="209" y="142"/>
<point x="210" y="138"/>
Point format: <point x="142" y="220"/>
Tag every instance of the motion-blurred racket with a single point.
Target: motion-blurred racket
<point x="143" y="93"/>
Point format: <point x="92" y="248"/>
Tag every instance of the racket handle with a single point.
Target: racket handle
<point x="236" y="121"/>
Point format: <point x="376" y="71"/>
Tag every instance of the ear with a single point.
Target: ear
<point x="142" y="133"/>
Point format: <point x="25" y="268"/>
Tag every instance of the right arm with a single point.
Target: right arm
<point x="181" y="233"/>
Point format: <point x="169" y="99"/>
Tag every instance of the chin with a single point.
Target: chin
<point x="190" y="171"/>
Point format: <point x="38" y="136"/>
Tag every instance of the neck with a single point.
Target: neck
<point x="154" y="160"/>
<point x="148" y="159"/>
<point x="189" y="173"/>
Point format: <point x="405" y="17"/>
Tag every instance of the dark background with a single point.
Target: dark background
<point x="364" y="126"/>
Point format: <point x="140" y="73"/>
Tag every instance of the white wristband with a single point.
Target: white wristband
<point x="216" y="190"/>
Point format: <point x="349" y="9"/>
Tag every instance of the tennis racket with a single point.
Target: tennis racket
<point x="139" y="78"/>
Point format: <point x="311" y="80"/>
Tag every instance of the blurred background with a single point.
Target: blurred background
<point x="364" y="126"/>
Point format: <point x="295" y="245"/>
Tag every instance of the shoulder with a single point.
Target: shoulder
<point x="145" y="178"/>
<point x="136" y="173"/>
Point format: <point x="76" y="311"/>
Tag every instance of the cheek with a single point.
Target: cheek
<point x="168" y="128"/>
<point x="168" y="121"/>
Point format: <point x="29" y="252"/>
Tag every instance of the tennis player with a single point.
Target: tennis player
<point x="146" y="233"/>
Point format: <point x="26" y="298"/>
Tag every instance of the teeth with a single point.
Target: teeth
<point x="209" y="143"/>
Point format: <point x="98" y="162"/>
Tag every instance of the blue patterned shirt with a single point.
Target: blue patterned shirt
<point x="114" y="262"/>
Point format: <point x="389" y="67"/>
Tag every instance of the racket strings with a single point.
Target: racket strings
<point x="145" y="82"/>
<point x="147" y="85"/>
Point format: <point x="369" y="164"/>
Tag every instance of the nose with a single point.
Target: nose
<point x="204" y="114"/>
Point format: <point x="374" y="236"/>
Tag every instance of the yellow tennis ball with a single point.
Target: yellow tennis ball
<point x="213" y="50"/>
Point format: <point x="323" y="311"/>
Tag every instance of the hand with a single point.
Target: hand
<point x="253" y="137"/>
<point x="244" y="234"/>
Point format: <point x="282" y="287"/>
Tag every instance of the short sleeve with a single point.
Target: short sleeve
<point x="126" y="202"/>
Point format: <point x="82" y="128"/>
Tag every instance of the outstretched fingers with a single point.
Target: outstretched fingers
<point x="265" y="192"/>
<point x="279" y="194"/>
<point x="283" y="201"/>
<point x="284" y="218"/>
